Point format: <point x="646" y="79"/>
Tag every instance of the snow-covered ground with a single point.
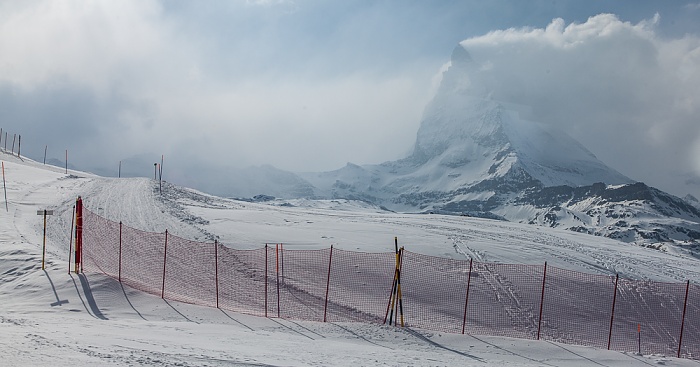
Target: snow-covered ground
<point x="51" y="317"/>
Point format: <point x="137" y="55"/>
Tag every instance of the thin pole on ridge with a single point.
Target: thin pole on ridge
<point x="539" y="323"/>
<point x="612" y="313"/>
<point x="328" y="284"/>
<point x="165" y="257"/>
<point x="46" y="147"/>
<point x="466" y="300"/>
<point x="685" y="304"/>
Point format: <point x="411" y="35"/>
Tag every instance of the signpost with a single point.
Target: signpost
<point x="43" y="251"/>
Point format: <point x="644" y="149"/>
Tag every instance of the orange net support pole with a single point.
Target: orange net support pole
<point x="78" y="234"/>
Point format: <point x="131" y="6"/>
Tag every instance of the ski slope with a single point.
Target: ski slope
<point x="50" y="317"/>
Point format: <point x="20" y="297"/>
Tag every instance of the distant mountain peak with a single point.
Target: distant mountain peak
<point x="477" y="156"/>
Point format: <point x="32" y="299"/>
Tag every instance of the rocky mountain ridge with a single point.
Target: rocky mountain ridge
<point x="479" y="157"/>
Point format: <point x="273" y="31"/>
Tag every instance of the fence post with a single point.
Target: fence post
<point x="466" y="300"/>
<point x="265" y="280"/>
<point x="70" y="242"/>
<point x="539" y="323"/>
<point x="685" y="304"/>
<point x="78" y="234"/>
<point x="216" y="269"/>
<point x="612" y="313"/>
<point x="120" y="251"/>
<point x="328" y="284"/>
<point x="277" y="273"/>
<point x="165" y="257"/>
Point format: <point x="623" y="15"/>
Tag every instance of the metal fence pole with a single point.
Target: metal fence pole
<point x="277" y="272"/>
<point x="328" y="284"/>
<point x="612" y="313"/>
<point x="466" y="300"/>
<point x="685" y="305"/>
<point x="539" y="323"/>
<point x="120" y="251"/>
<point x="70" y="242"/>
<point x="165" y="257"/>
<point x="265" y="280"/>
<point x="216" y="270"/>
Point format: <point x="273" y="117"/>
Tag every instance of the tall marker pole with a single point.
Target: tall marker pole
<point x="46" y="147"/>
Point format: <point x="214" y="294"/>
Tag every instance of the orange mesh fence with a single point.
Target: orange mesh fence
<point x="189" y="275"/>
<point x="103" y="252"/>
<point x="297" y="283"/>
<point x="458" y="296"/>
<point x="242" y="280"/>
<point x="435" y="281"/>
<point x="504" y="300"/>
<point x="690" y="345"/>
<point x="577" y="307"/>
<point x="648" y="317"/>
<point x="360" y="286"/>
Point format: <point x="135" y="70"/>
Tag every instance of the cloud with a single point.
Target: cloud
<point x="310" y="86"/>
<point x="629" y="95"/>
<point x="116" y="79"/>
<point x="692" y="6"/>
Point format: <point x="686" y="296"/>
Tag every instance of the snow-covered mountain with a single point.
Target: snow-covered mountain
<point x="481" y="157"/>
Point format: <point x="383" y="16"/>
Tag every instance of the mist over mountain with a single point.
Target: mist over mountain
<point x="477" y="156"/>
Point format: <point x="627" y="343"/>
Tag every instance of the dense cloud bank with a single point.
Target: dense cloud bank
<point x="113" y="80"/>
<point x="627" y="94"/>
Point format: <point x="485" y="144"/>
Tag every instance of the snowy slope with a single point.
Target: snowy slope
<point x="53" y="318"/>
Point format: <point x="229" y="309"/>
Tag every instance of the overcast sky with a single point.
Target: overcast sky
<point x="311" y="85"/>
